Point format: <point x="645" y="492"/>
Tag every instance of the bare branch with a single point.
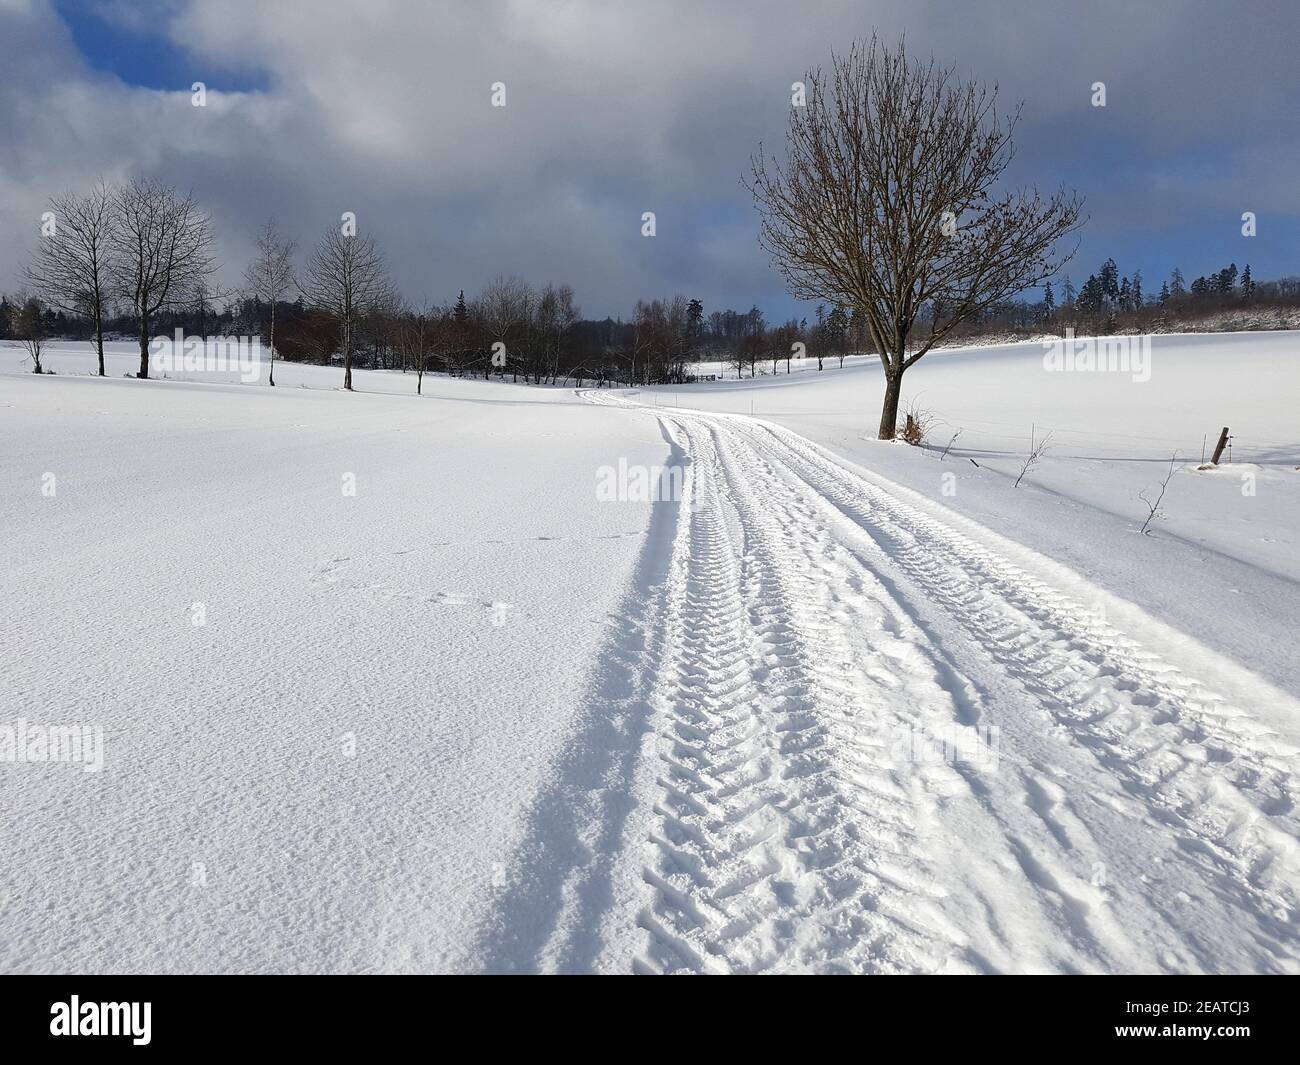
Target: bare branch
<point x="1154" y="507"/>
<point x="1035" y="454"/>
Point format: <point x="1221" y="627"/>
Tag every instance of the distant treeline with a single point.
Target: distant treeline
<point x="136" y="261"/>
<point x="1109" y="302"/>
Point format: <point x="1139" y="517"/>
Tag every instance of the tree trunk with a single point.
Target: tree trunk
<point x="347" y="358"/>
<point x="144" y="348"/>
<point x="889" y="412"/>
<point x="99" y="338"/>
<point x="272" y="343"/>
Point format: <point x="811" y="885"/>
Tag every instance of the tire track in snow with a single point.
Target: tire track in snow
<point x="1206" y="770"/>
<point x="762" y="858"/>
<point x="789" y="839"/>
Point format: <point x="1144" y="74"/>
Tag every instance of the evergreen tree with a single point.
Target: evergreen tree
<point x="1176" y="286"/>
<point x="837" y="330"/>
<point x="855" y="334"/>
<point x="694" y="319"/>
<point x="1109" y="279"/>
<point x="1092" y="297"/>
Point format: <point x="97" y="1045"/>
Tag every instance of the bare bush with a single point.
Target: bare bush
<point x="1036" y="452"/>
<point x="952" y="440"/>
<point x="1153" y="506"/>
<point x="916" y="425"/>
<point x="29" y="325"/>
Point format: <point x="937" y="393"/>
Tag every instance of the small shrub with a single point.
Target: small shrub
<point x="916" y="426"/>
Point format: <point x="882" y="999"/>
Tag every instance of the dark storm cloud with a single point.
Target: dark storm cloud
<point x="615" y="109"/>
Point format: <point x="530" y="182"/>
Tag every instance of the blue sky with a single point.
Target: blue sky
<point x="617" y="109"/>
<point x="143" y="54"/>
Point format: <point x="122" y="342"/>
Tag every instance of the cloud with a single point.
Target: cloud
<point x="383" y="108"/>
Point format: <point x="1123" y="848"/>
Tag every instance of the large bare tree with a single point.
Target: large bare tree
<point x="72" y="267"/>
<point x="346" y="279"/>
<point x="508" y="306"/>
<point x="269" y="275"/>
<point x="889" y="202"/>
<point x="556" y="316"/>
<point x="162" y="252"/>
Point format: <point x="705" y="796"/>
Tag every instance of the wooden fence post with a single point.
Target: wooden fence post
<point x="1218" y="448"/>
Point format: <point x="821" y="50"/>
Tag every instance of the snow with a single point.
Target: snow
<point x="1112" y="439"/>
<point x="445" y="617"/>
<point x="818" y="714"/>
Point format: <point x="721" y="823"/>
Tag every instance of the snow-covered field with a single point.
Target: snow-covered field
<point x="333" y="770"/>
<point x="1223" y="560"/>
<point x="832" y="709"/>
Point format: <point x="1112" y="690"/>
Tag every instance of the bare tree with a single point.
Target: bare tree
<point x="202" y="298"/>
<point x="380" y="328"/>
<point x="556" y="315"/>
<point x="72" y="267"/>
<point x="507" y="306"/>
<point x="346" y="278"/>
<point x="644" y="339"/>
<point x="162" y="252"/>
<point x="419" y="334"/>
<point x="886" y="203"/>
<point x="269" y="275"/>
<point x="29" y="325"/>
<point x="753" y="344"/>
